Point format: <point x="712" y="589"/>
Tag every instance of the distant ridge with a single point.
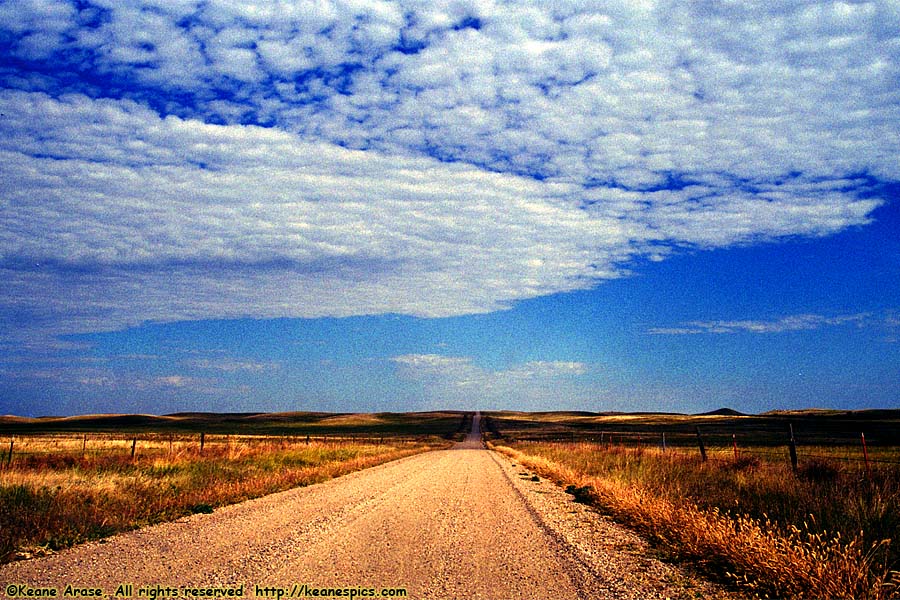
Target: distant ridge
<point x="722" y="412"/>
<point x="213" y="415"/>
<point x="860" y="413"/>
<point x="282" y="423"/>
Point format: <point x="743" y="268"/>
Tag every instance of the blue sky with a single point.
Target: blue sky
<point x="241" y="206"/>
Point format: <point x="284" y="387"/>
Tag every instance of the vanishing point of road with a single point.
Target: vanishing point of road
<point x="459" y="523"/>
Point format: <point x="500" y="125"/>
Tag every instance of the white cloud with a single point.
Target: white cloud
<point x="553" y="368"/>
<point x="81" y="378"/>
<point x="804" y="322"/>
<point x="753" y="91"/>
<point x="458" y="381"/>
<point x="434" y="362"/>
<point x="140" y="218"/>
<point x="434" y="160"/>
<point x="176" y="381"/>
<point x="233" y="366"/>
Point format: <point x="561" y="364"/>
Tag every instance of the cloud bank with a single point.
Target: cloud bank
<point x="805" y="322"/>
<point x="458" y="381"/>
<point x="187" y="160"/>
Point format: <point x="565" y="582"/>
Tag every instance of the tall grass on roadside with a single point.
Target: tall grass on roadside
<point x="62" y="496"/>
<point x="823" y="533"/>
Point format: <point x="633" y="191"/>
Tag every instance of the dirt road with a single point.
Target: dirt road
<point x="459" y="523"/>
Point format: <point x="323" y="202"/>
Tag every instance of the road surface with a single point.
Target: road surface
<point x="458" y="523"/>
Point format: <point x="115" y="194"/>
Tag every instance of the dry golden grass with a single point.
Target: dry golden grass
<point x="768" y="558"/>
<point x="59" y="491"/>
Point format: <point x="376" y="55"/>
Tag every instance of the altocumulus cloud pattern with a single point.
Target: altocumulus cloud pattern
<point x="166" y="160"/>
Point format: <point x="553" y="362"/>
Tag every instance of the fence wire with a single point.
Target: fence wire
<point x="843" y="450"/>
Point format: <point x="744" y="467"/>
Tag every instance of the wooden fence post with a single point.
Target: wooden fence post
<point x="700" y="444"/>
<point x="202" y="440"/>
<point x="866" y="456"/>
<point x="9" y="456"/>
<point x="663" y="441"/>
<point x="83" y="444"/>
<point x="133" y="447"/>
<point x="793" y="448"/>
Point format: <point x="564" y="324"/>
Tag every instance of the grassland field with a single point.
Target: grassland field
<point x="68" y="480"/>
<point x="828" y="526"/>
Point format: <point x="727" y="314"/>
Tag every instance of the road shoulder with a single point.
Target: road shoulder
<point x="620" y="562"/>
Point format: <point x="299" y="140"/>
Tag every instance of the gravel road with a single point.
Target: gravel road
<point x="459" y="523"/>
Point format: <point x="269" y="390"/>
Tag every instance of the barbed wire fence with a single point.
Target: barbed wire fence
<point x="793" y="445"/>
<point x="19" y="448"/>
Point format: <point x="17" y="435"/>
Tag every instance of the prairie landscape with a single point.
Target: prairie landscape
<point x="211" y="207"/>
<point x="790" y="505"/>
